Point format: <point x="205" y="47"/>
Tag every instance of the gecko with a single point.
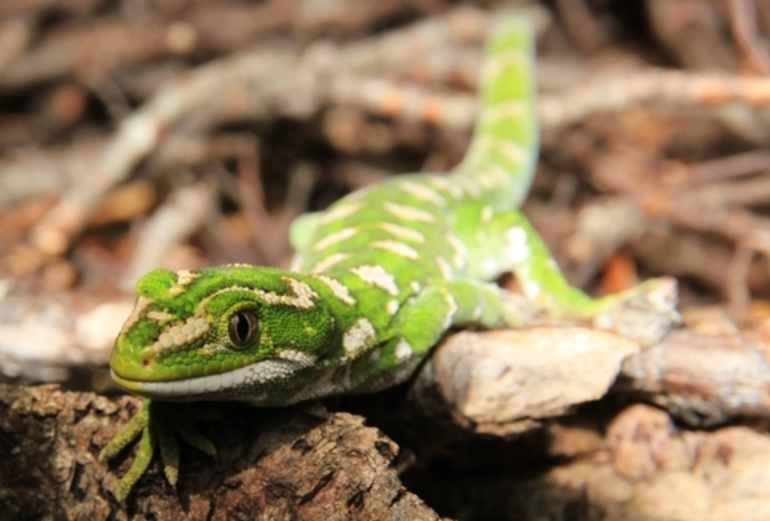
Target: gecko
<point x="376" y="280"/>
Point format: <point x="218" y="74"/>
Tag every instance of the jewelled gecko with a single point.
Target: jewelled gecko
<point x="377" y="279"/>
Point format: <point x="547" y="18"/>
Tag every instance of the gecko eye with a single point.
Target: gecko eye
<point x="242" y="328"/>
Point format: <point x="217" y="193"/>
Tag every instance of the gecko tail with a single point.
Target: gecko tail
<point x="500" y="163"/>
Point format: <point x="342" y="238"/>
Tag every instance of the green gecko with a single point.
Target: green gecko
<point x="377" y="279"/>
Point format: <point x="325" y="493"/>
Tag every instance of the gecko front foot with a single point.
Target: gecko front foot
<point x="158" y="424"/>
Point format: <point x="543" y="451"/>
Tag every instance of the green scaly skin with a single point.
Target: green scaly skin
<point x="377" y="279"/>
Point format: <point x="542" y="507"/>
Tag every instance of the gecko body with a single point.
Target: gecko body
<point x="376" y="280"/>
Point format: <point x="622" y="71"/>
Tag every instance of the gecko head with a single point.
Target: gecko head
<point x="219" y="332"/>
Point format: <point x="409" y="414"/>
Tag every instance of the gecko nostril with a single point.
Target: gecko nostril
<point x="146" y="361"/>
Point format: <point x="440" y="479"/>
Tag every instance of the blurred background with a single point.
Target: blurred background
<point x="186" y="133"/>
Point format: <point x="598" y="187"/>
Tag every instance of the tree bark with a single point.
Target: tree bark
<point x="271" y="464"/>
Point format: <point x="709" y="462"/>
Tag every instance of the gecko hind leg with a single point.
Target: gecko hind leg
<point x="644" y="312"/>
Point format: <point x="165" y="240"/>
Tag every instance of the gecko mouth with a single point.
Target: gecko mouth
<point x="209" y="386"/>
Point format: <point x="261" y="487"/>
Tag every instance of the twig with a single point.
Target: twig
<point x="385" y="54"/>
<point x="581" y="26"/>
<point x="104" y="46"/>
<point x="252" y="197"/>
<point x="37" y="171"/>
<point x="743" y="15"/>
<point x="666" y="88"/>
<point x="182" y="214"/>
<point x="736" y="283"/>
<point x="731" y="166"/>
<point x="15" y="35"/>
<point x="141" y="133"/>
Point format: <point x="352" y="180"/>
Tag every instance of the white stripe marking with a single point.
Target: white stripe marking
<point x="449" y="299"/>
<point x="399" y="248"/>
<point x="513" y="152"/>
<point x="136" y="314"/>
<point x="516" y="245"/>
<point x="493" y="176"/>
<point x="328" y="262"/>
<point x="183" y="279"/>
<point x="377" y="277"/>
<point x="446" y="269"/>
<point x="339" y="290"/>
<point x="161" y="317"/>
<point x="496" y="64"/>
<point x="334" y="238"/>
<point x="402" y="232"/>
<point x="340" y="212"/>
<point x="531" y="288"/>
<point x="359" y="338"/>
<point x="512" y="109"/>
<point x="403" y="350"/>
<point x="303" y="295"/>
<point x="469" y="185"/>
<point x="460" y="252"/>
<point x="447" y="185"/>
<point x="422" y="192"/>
<point x="295" y="355"/>
<point x="409" y="213"/>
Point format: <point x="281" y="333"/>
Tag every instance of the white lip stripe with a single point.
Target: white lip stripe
<point x="254" y="374"/>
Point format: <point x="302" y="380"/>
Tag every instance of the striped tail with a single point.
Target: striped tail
<point x="500" y="162"/>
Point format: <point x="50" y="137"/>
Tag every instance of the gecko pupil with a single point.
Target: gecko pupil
<point x="242" y="328"/>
